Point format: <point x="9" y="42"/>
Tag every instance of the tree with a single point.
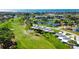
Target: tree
<point x="72" y="42"/>
<point x="5" y="37"/>
<point x="56" y="21"/>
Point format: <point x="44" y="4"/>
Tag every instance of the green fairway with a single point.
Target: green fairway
<point x="31" y="40"/>
<point x="25" y="41"/>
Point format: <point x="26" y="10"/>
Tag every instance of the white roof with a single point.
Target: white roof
<point x="60" y="37"/>
<point x="65" y="41"/>
<point x="47" y="29"/>
<point x="35" y="27"/>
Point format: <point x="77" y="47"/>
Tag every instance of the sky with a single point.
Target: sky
<point x="39" y="4"/>
<point x="39" y="10"/>
<point x="10" y="5"/>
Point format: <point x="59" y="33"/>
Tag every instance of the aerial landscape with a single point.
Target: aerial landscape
<point x="39" y="29"/>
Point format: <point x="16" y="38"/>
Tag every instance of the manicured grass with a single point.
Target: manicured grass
<point x="56" y="30"/>
<point x="56" y="42"/>
<point x="30" y="41"/>
<point x="26" y="41"/>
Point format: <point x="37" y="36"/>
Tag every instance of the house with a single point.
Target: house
<point x="56" y="24"/>
<point x="60" y="17"/>
<point x="40" y="17"/>
<point x="64" y="39"/>
<point x="45" y="29"/>
<point x="76" y="30"/>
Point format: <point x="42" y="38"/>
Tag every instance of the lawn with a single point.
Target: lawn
<point x="26" y="41"/>
<point x="56" y="42"/>
<point x="32" y="40"/>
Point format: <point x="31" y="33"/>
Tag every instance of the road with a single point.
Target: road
<point x="77" y="36"/>
<point x="59" y="28"/>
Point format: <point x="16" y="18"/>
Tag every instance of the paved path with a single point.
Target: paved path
<point x="77" y="36"/>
